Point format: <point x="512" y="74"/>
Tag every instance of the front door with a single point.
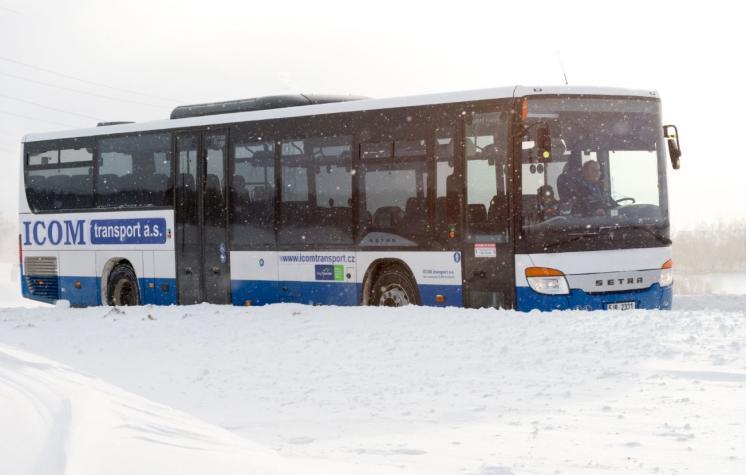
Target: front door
<point x="488" y="253"/>
<point x="202" y="257"/>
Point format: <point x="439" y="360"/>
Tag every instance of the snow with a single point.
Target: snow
<point x="299" y="389"/>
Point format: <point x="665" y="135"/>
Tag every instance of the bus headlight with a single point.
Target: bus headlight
<point x="666" y="277"/>
<point x="545" y="280"/>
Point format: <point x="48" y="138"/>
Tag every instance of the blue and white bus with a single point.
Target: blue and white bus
<point x="520" y="197"/>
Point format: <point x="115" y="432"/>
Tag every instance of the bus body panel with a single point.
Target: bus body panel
<point x="337" y="277"/>
<point x="597" y="279"/>
<point x="84" y="246"/>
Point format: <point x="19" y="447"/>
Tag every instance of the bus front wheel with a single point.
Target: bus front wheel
<point x="122" y="287"/>
<point x="394" y="287"/>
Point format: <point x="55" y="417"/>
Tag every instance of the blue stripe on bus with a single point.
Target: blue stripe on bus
<point x="163" y="291"/>
<point x="654" y="297"/>
<point x="257" y="292"/>
<point x="453" y="295"/>
<point x="89" y="293"/>
<point x="262" y="292"/>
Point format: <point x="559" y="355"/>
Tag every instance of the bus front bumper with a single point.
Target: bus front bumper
<point x="654" y="297"/>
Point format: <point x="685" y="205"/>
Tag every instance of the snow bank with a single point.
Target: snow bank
<point x="55" y="420"/>
<point x="415" y="390"/>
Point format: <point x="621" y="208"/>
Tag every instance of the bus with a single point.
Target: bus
<point x="522" y="198"/>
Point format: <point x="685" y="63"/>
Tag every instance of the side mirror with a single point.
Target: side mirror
<point x="671" y="134"/>
<point x="544" y="142"/>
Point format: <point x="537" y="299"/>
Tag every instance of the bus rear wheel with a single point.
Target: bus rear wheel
<point x="394" y="287"/>
<point x="122" y="287"/>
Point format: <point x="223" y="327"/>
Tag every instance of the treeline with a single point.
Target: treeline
<point x="719" y="247"/>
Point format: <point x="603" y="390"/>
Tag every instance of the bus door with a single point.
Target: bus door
<point x="488" y="261"/>
<point x="202" y="255"/>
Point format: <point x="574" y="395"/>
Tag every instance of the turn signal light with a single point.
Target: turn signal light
<point x="666" y="277"/>
<point x="440" y="298"/>
<point x="543" y="272"/>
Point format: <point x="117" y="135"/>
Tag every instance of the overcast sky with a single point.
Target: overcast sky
<point x="154" y="55"/>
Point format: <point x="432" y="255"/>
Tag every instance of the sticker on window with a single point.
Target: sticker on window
<point x="485" y="249"/>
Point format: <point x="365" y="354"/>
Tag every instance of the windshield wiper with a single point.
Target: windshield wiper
<point x="602" y="230"/>
<point x="572" y="237"/>
<point x="656" y="235"/>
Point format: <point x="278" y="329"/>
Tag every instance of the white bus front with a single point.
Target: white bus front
<point x="594" y="230"/>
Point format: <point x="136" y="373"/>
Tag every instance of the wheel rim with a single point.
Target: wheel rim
<point x="124" y="293"/>
<point x="394" y="295"/>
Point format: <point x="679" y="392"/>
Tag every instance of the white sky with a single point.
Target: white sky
<point x="188" y="52"/>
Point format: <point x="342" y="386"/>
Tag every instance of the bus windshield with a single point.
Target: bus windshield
<point x="591" y="167"/>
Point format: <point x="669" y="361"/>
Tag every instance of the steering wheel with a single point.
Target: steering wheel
<point x="622" y="200"/>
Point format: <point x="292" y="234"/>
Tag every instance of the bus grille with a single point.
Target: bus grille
<point x="42" y="277"/>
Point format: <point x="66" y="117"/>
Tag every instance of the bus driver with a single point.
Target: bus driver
<point x="591" y="199"/>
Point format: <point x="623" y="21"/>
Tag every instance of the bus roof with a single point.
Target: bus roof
<point x="337" y="107"/>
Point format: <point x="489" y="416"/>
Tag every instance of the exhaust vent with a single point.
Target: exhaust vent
<point x="42" y="276"/>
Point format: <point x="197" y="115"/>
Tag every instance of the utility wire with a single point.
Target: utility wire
<point x="67" y="76"/>
<point x="6" y="9"/>
<point x="70" y="89"/>
<point x="37" y="119"/>
<point x="50" y="108"/>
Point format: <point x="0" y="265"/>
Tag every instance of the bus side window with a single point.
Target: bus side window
<point x="134" y="171"/>
<point x="316" y="205"/>
<point x="394" y="187"/>
<point x="60" y="179"/>
<point x="332" y="158"/>
<point x="252" y="194"/>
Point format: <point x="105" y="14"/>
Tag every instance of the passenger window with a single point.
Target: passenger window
<point x="394" y="206"/>
<point x="49" y="157"/>
<point x="253" y="194"/>
<point x="316" y="191"/>
<point x="134" y="171"/>
<point x="60" y="179"/>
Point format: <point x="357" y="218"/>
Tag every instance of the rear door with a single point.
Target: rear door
<point x="202" y="256"/>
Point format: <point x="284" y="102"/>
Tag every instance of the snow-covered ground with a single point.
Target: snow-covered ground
<point x="298" y="389"/>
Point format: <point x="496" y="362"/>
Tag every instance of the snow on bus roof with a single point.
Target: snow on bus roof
<point x="337" y="107"/>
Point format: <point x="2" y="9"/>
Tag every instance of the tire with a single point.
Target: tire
<point x="394" y="287"/>
<point x="122" y="289"/>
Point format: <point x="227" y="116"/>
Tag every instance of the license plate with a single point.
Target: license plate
<point x="620" y="306"/>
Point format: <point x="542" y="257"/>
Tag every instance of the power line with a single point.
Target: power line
<point x="10" y="10"/>
<point x="50" y="108"/>
<point x="37" y="119"/>
<point x="86" y="81"/>
<point x="70" y="89"/>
